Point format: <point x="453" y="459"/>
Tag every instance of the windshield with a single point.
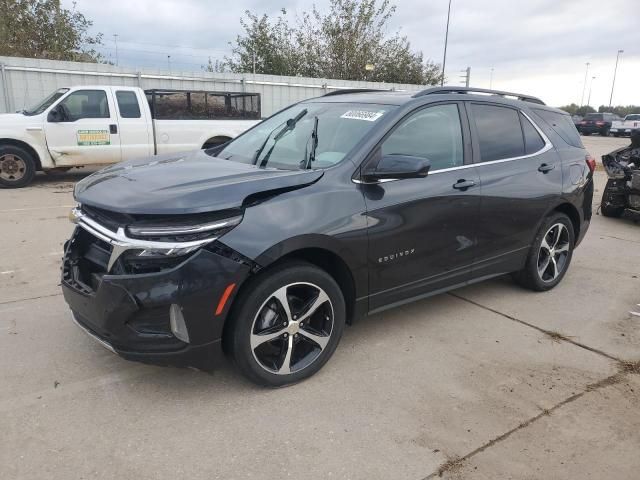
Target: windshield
<point x="306" y="135"/>
<point x="41" y="106"/>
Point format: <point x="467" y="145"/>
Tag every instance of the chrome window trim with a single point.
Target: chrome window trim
<point x="121" y="243"/>
<point x="547" y="146"/>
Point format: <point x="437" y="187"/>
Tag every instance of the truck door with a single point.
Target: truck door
<point x="134" y="122"/>
<point x="85" y="131"/>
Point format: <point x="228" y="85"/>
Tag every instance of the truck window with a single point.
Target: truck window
<point x="86" y="104"/>
<point x="128" y="104"/>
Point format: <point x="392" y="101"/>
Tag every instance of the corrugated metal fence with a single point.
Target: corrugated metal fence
<point x="25" y="81"/>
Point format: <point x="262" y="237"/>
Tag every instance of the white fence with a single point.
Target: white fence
<point x="25" y="81"/>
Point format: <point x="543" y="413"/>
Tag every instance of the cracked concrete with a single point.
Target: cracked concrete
<point x="488" y="382"/>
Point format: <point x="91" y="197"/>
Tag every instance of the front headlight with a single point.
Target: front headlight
<point x="165" y="240"/>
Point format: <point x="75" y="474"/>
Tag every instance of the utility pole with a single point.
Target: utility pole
<point x="491" y="79"/>
<point x="590" y="88"/>
<point x="169" y="61"/>
<point x="466" y="76"/>
<point x="615" y="70"/>
<point x="584" y="85"/>
<point x="115" y="39"/>
<point x="446" y="40"/>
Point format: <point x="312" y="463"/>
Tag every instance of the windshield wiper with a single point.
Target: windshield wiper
<point x="289" y="125"/>
<point x="314" y="144"/>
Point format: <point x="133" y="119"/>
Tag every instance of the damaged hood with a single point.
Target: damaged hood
<point x="184" y="183"/>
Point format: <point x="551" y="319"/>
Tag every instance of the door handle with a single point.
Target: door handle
<point x="544" y="168"/>
<point x="463" y="184"/>
<point x="113" y="129"/>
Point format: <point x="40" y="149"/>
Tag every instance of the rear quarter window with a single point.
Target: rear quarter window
<point x="562" y="125"/>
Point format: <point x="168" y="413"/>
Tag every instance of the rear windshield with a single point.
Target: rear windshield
<point x="593" y="116"/>
<point x="562" y="125"/>
<point x="632" y="117"/>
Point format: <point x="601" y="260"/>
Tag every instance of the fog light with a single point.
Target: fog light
<point x="176" y="320"/>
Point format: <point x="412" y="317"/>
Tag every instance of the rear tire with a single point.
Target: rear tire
<point x="17" y="167"/>
<point x="607" y="207"/>
<point x="276" y="345"/>
<point x="549" y="256"/>
<point x="604" y="133"/>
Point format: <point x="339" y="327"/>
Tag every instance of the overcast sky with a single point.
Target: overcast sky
<point x="538" y="47"/>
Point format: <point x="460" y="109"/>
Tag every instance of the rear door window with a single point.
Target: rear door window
<point x="128" y="104"/>
<point x="499" y="132"/>
<point x="533" y="142"/>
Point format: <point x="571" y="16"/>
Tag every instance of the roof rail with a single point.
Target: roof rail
<point x="463" y="90"/>
<point x="344" y="91"/>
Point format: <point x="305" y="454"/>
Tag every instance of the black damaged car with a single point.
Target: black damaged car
<point x="332" y="209"/>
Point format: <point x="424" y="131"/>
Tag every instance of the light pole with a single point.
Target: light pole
<point x="615" y="70"/>
<point x="169" y="61"/>
<point x="584" y="85"/>
<point x="491" y="79"/>
<point x="590" y="88"/>
<point x="115" y="39"/>
<point x="446" y="40"/>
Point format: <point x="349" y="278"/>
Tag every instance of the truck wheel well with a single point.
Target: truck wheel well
<point x="215" y="141"/>
<point x="26" y="146"/>
<point x="571" y="212"/>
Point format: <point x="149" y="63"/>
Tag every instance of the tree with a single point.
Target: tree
<point x="348" y="43"/>
<point x="43" y="29"/>
<point x="574" y="109"/>
<point x="622" y="110"/>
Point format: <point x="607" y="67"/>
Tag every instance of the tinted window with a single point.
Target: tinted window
<point x="499" y="132"/>
<point x="562" y="125"/>
<point x="433" y="133"/>
<point x="533" y="142"/>
<point x="593" y="116"/>
<point x="86" y="104"/>
<point x="632" y="117"/>
<point x="128" y="104"/>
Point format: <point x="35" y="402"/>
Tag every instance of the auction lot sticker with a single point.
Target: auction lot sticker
<point x="362" y="115"/>
<point x="93" y="137"/>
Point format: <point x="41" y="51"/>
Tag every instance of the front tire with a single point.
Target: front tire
<point x="550" y="255"/>
<point x="288" y="323"/>
<point x="17" y="167"/>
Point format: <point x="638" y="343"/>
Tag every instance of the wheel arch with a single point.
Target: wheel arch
<point x="24" y="145"/>
<point x="574" y="215"/>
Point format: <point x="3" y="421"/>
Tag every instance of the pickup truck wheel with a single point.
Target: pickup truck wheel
<point x="17" y="167"/>
<point x="549" y="256"/>
<point x="287" y="325"/>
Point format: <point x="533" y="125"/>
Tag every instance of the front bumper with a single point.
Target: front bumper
<point x="129" y="314"/>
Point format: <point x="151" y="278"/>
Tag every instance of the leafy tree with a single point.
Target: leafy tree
<point x="348" y="43"/>
<point x="622" y="110"/>
<point x="574" y="109"/>
<point x="43" y="29"/>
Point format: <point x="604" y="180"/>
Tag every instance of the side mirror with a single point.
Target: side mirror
<point x="57" y="114"/>
<point x="399" y="166"/>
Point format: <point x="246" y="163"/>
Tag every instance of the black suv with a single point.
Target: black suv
<point x="596" y="123"/>
<point x="331" y="209"/>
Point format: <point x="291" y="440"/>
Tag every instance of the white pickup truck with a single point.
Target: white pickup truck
<point x="630" y="123"/>
<point x="87" y="125"/>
